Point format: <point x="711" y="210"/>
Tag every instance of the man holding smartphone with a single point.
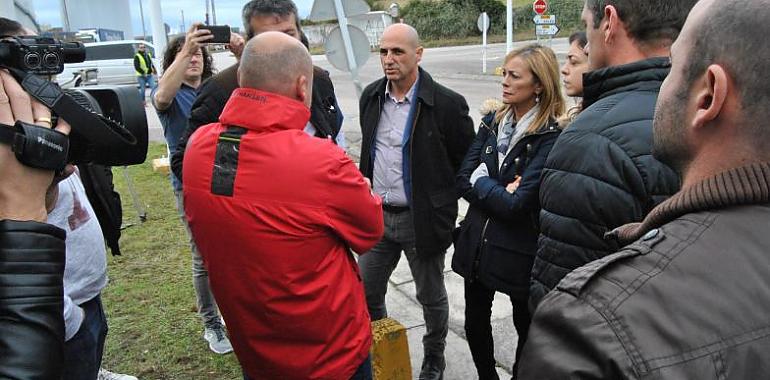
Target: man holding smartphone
<point x="186" y="63"/>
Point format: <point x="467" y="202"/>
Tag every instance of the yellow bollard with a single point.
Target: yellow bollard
<point x="390" y="351"/>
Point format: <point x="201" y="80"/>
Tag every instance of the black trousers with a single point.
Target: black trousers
<point x="478" y="328"/>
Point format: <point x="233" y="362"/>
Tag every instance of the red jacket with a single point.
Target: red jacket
<point x="277" y="249"/>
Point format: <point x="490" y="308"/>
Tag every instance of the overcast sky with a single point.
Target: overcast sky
<point x="228" y="12"/>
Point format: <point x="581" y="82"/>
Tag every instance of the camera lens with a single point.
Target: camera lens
<point x="51" y="60"/>
<point x="32" y="60"/>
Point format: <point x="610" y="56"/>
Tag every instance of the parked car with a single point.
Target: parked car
<point x="114" y="61"/>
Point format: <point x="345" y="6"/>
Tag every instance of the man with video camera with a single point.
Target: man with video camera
<point x="26" y="61"/>
<point x="31" y="252"/>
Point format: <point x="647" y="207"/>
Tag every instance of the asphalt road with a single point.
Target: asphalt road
<point x="459" y="68"/>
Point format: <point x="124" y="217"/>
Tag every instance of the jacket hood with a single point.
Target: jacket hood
<point x="648" y="73"/>
<point x="264" y="111"/>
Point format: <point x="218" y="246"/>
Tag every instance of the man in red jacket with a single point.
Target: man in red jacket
<point x="275" y="214"/>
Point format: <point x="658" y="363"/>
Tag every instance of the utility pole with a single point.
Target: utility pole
<point x="65" y="15"/>
<point x="141" y="15"/>
<point x="184" y="27"/>
<point x="207" y="12"/>
<point x="213" y="13"/>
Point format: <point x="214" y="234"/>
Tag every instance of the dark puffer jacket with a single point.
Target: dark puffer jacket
<point x="689" y="300"/>
<point x="31" y="300"/>
<point x="497" y="240"/>
<point x="601" y="173"/>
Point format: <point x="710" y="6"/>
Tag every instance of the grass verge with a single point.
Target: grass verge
<point x="155" y="332"/>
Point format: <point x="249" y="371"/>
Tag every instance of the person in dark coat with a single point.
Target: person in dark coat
<point x="500" y="178"/>
<point x="415" y="133"/>
<point x="689" y="297"/>
<point x="601" y="173"/>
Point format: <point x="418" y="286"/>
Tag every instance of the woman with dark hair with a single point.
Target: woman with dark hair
<point x="186" y="64"/>
<point x="500" y="178"/>
<point x="572" y="72"/>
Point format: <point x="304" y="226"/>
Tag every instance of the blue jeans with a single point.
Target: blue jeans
<point x="83" y="352"/>
<point x="364" y="371"/>
<point x="145" y="81"/>
<point x="427" y="270"/>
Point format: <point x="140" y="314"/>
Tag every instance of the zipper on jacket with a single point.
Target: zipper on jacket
<point x="374" y="135"/>
<point x="411" y="158"/>
<point x="477" y="259"/>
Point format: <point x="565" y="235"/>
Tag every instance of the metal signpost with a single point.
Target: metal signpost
<point x="341" y="9"/>
<point x="483" y="24"/>
<point x="545" y="25"/>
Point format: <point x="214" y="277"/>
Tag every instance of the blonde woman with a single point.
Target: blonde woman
<point x="500" y="178"/>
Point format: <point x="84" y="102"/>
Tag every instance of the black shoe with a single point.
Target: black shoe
<point x="432" y="368"/>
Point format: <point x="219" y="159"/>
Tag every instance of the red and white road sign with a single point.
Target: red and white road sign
<point x="540" y="6"/>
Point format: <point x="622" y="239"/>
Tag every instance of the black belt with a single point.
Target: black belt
<point x="394" y="209"/>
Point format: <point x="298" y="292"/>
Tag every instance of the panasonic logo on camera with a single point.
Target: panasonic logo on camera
<point x="49" y="144"/>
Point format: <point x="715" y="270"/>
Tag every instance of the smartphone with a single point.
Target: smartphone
<point x="221" y="33"/>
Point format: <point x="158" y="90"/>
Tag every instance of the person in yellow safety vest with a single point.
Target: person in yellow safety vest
<point x="144" y="70"/>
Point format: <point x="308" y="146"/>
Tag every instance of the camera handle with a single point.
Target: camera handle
<point x="94" y="127"/>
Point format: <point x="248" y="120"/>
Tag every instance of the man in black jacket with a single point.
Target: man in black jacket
<point x="261" y="16"/>
<point x="415" y="133"/>
<point x="601" y="174"/>
<point x="690" y="298"/>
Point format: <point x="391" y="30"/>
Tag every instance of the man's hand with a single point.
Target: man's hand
<point x="23" y="189"/>
<point x="236" y="45"/>
<point x="195" y="39"/>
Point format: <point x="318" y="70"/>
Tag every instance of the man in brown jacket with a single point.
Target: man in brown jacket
<point x="690" y="297"/>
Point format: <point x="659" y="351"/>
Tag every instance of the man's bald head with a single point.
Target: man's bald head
<point x="733" y="34"/>
<point x="402" y="32"/>
<point x="277" y="63"/>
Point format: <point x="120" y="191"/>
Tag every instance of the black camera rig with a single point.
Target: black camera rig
<point x="109" y="126"/>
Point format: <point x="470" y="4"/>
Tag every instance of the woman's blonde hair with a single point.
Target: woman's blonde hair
<point x="545" y="69"/>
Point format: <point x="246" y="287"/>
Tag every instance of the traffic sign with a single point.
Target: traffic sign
<point x="483" y="22"/>
<point x="335" y="48"/>
<point x="544" y="20"/>
<point x="540" y="6"/>
<point x="546" y="30"/>
<point x="325" y="10"/>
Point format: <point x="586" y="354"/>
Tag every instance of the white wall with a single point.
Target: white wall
<point x="109" y="14"/>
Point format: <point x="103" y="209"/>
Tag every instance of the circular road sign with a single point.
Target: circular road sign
<point x="335" y="48"/>
<point x="483" y="22"/>
<point x="540" y="6"/>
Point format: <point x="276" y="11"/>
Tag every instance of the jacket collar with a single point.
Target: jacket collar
<point x="259" y="110"/>
<point x="744" y="185"/>
<point x="425" y="90"/>
<point x="488" y="122"/>
<point x="647" y="73"/>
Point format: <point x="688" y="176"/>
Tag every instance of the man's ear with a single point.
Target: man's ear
<point x="303" y="90"/>
<point x="419" y="53"/>
<point x="710" y="94"/>
<point x="610" y="24"/>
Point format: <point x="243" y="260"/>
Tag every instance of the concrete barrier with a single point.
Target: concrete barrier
<point x="390" y="351"/>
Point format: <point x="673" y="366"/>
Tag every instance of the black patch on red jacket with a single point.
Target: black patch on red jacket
<point x="226" y="161"/>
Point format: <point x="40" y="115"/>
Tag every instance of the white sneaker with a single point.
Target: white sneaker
<point x="107" y="375"/>
<point x="217" y="338"/>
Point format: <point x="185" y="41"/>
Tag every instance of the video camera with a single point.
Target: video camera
<point x="109" y="126"/>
